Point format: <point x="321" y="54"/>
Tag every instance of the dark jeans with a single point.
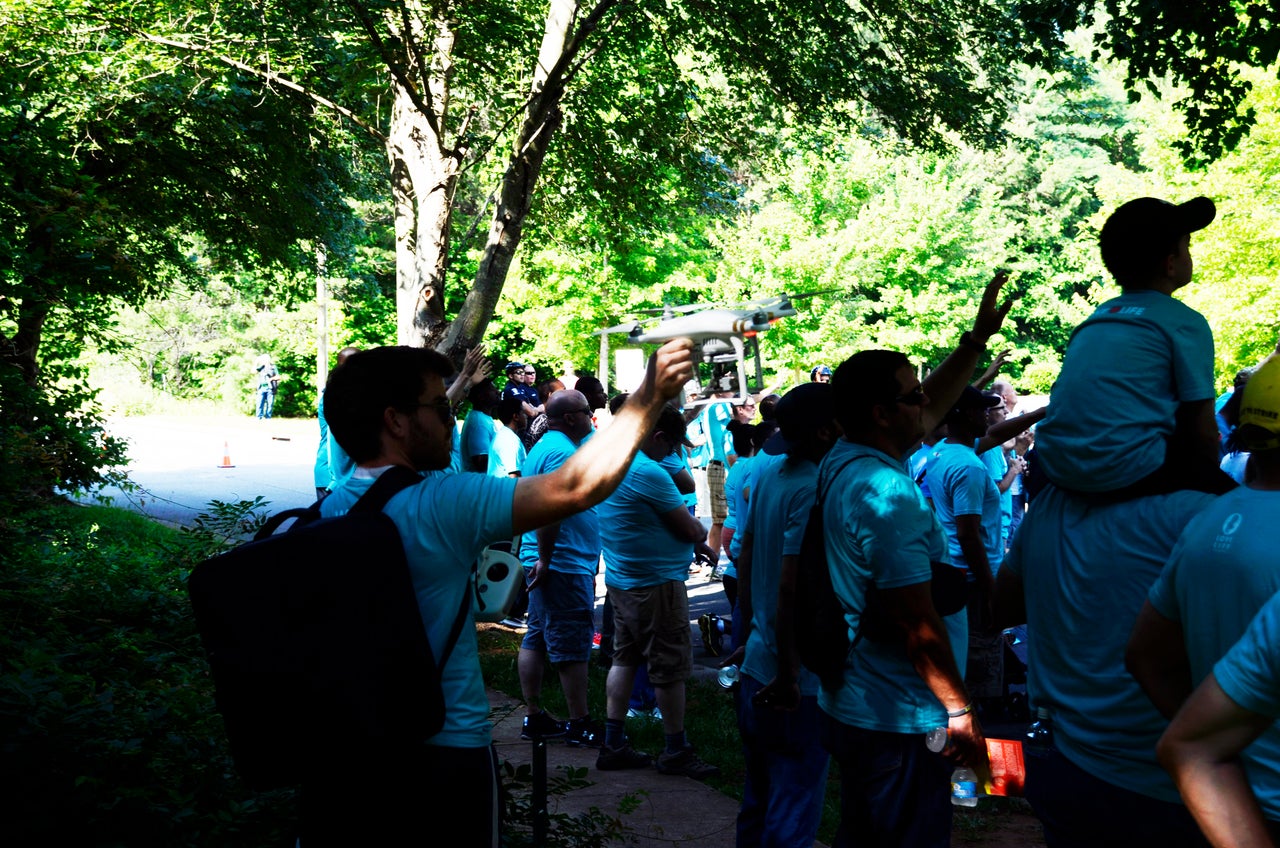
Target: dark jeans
<point x="786" y="772"/>
<point x="1078" y="809"/>
<point x="894" y="792"/>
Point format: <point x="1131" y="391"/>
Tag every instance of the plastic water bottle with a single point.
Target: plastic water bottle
<point x="728" y="676"/>
<point x="1039" y="736"/>
<point x="964" y="787"/>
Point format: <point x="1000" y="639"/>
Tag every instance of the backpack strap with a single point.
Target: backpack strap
<point x="389" y="483"/>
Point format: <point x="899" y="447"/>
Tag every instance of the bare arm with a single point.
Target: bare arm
<point x="993" y="369"/>
<point x="1201" y="750"/>
<point x="998" y="434"/>
<point x="1157" y="658"/>
<point x="684" y="481"/>
<point x="684" y="526"/>
<point x="596" y="469"/>
<point x="910" y="609"/>
<point x="546" y="547"/>
<point x="474" y="369"/>
<point x="944" y="384"/>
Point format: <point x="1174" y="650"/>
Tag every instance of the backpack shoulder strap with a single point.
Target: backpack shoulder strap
<point x="393" y="480"/>
<point x="390" y="482"/>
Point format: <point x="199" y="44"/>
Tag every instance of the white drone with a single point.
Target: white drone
<point x="724" y="335"/>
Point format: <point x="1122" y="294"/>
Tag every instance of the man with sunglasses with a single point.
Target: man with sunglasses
<point x="561" y="561"/>
<point x="388" y="407"/>
<point x="880" y="534"/>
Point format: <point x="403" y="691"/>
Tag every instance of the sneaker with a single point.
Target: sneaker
<point x="711" y="635"/>
<point x="541" y="726"/>
<point x="584" y="734"/>
<point x="514" y="623"/>
<point x="688" y="763"/>
<point x="626" y="757"/>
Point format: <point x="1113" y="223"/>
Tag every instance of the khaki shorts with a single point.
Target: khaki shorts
<point x="715" y="489"/>
<point x="652" y="624"/>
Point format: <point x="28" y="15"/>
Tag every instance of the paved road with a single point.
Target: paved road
<point x="175" y="461"/>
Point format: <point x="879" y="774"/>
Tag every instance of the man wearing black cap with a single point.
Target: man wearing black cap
<point x="1131" y="413"/>
<point x="967" y="502"/>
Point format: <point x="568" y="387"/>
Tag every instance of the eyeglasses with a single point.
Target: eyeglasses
<point x="442" y="408"/>
<point x="530" y="373"/>
<point x="915" y="397"/>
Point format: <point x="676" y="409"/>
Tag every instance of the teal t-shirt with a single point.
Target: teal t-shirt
<point x="1250" y="671"/>
<point x="709" y="432"/>
<point x="737" y="489"/>
<point x="1128" y="367"/>
<point x="1086" y="570"/>
<point x="783" y="491"/>
<point x="477" y="436"/>
<point x="444" y="523"/>
<point x="639" y="550"/>
<point x="506" y="453"/>
<point x="878" y="529"/>
<point x="1225" y="567"/>
<point x="997" y="465"/>
<point x="675" y="462"/>
<point x="961" y="485"/>
<point x="577" y="549"/>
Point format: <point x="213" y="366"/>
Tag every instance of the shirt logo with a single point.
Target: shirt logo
<point x="1126" y="310"/>
<point x="1222" y="542"/>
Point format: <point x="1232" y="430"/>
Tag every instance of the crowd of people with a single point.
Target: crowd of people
<point x="1102" y="522"/>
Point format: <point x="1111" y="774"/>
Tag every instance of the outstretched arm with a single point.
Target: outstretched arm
<point x="944" y="384"/>
<point x="993" y="369"/>
<point x="596" y="469"/>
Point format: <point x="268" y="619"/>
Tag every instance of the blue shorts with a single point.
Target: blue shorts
<point x="562" y="616"/>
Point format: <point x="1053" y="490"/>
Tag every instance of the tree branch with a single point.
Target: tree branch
<point x="269" y="76"/>
<point x="425" y="106"/>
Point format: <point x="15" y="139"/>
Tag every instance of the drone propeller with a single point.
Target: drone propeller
<point x="670" y="310"/>
<point x="628" y="327"/>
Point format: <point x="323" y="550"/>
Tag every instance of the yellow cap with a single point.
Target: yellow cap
<point x="1260" y="405"/>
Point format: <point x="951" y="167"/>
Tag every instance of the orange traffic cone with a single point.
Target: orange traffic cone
<point x="226" y="456"/>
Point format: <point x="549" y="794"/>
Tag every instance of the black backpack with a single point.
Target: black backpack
<point x="316" y="643"/>
<point x="821" y="632"/>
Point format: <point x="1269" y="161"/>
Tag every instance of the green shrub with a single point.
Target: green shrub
<point x="105" y="698"/>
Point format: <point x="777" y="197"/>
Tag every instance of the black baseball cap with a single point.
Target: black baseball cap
<point x="800" y="413"/>
<point x="1143" y="231"/>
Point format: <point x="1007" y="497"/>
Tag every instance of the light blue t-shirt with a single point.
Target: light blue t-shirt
<point x="444" y="523"/>
<point x="709" y="431"/>
<point x="333" y="465"/>
<point x="477" y="436"/>
<point x="878" y="529"/>
<point x="961" y="485"/>
<point x="1086" y="570"/>
<point x="997" y="465"/>
<point x="1225" y="567"/>
<point x="639" y="550"/>
<point x="783" y="491"/>
<point x="737" y="489"/>
<point x="577" y="549"/>
<point x="919" y="467"/>
<point x="1128" y="367"/>
<point x="507" y="453"/>
<point x="1249" y="674"/>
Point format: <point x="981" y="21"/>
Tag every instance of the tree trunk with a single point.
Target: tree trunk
<point x="515" y="195"/>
